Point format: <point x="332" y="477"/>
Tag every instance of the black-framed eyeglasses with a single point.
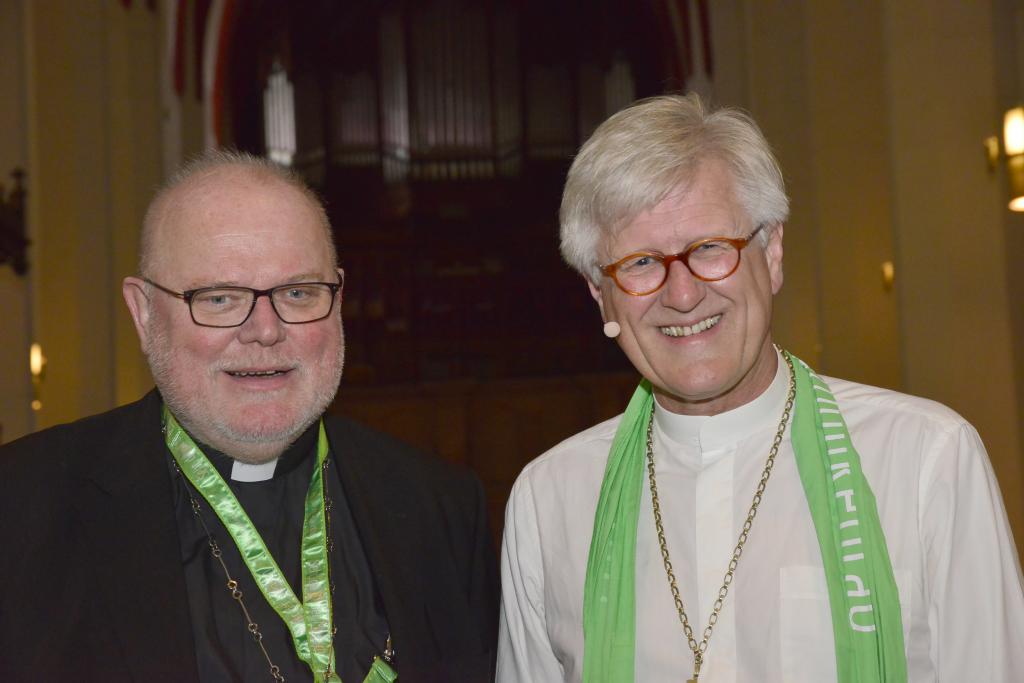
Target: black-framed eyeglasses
<point x="294" y="303"/>
<point x="711" y="259"/>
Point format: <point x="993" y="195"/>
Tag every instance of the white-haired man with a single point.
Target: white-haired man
<point x="222" y="528"/>
<point x="745" y="519"/>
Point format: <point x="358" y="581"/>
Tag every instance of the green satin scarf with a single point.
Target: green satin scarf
<point x="866" y="619"/>
<point x="309" y="621"/>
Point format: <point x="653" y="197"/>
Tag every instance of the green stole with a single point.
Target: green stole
<point x="310" y="622"/>
<point x="866" y="620"/>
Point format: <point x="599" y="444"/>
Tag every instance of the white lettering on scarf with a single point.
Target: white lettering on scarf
<point x="861" y="615"/>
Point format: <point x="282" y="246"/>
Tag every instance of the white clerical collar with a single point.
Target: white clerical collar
<point x="709" y="432"/>
<point x="241" y="471"/>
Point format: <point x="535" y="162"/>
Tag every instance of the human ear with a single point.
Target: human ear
<point x="134" y="291"/>
<point x="773" y="254"/>
<point x="595" y="292"/>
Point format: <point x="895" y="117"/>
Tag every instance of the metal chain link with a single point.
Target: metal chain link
<point x="699" y="649"/>
<point x="232" y="584"/>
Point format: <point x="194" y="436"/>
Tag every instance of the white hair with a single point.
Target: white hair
<point x="639" y="155"/>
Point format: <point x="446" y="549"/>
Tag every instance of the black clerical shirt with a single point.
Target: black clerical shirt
<point x="225" y="651"/>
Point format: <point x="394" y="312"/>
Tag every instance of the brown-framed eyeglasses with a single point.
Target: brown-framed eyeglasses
<point x="711" y="259"/>
<point x="295" y="303"/>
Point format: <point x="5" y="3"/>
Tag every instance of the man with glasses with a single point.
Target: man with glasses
<point x="744" y="519"/>
<point x="223" y="528"/>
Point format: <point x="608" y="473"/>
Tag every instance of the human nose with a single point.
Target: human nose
<point x="263" y="325"/>
<point x="682" y="289"/>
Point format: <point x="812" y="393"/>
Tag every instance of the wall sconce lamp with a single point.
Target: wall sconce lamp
<point x="13" y="243"/>
<point x="36" y="365"/>
<point x="1013" y="149"/>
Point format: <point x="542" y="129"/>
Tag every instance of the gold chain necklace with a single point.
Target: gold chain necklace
<point x="699" y="649"/>
<point x="232" y="583"/>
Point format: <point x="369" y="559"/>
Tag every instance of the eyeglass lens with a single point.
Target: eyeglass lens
<point x="710" y="260"/>
<point x="230" y="306"/>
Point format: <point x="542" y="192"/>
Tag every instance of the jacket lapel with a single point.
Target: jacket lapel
<point x="382" y="522"/>
<point x="131" y="534"/>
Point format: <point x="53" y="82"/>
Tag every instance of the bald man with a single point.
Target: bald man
<point x="223" y="528"/>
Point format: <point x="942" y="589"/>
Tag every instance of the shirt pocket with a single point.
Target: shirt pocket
<point x="807" y="646"/>
<point x="807" y="641"/>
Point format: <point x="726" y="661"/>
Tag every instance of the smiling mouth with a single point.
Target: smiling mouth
<point x="689" y="330"/>
<point x="257" y="373"/>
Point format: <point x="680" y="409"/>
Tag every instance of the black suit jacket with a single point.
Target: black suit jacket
<point x="91" y="580"/>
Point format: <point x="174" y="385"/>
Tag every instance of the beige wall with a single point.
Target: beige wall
<point x="950" y="214"/>
<point x="133" y="47"/>
<point x="877" y="112"/>
<point x="93" y="149"/>
<point x="15" y="415"/>
<point x="1009" y="56"/>
<point x="820" y="97"/>
<point x="853" y="192"/>
<point x="774" y="47"/>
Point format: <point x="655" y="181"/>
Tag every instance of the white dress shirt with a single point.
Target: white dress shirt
<point x="955" y="564"/>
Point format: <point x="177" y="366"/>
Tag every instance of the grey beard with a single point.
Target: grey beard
<point x="250" y="446"/>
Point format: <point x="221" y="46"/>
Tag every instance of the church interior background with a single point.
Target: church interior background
<point x="439" y="133"/>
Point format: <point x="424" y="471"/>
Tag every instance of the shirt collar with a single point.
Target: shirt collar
<point x="296" y="453"/>
<point x="711" y="432"/>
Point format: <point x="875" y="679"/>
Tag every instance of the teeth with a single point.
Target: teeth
<point x="263" y="373"/>
<point x="687" y="330"/>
